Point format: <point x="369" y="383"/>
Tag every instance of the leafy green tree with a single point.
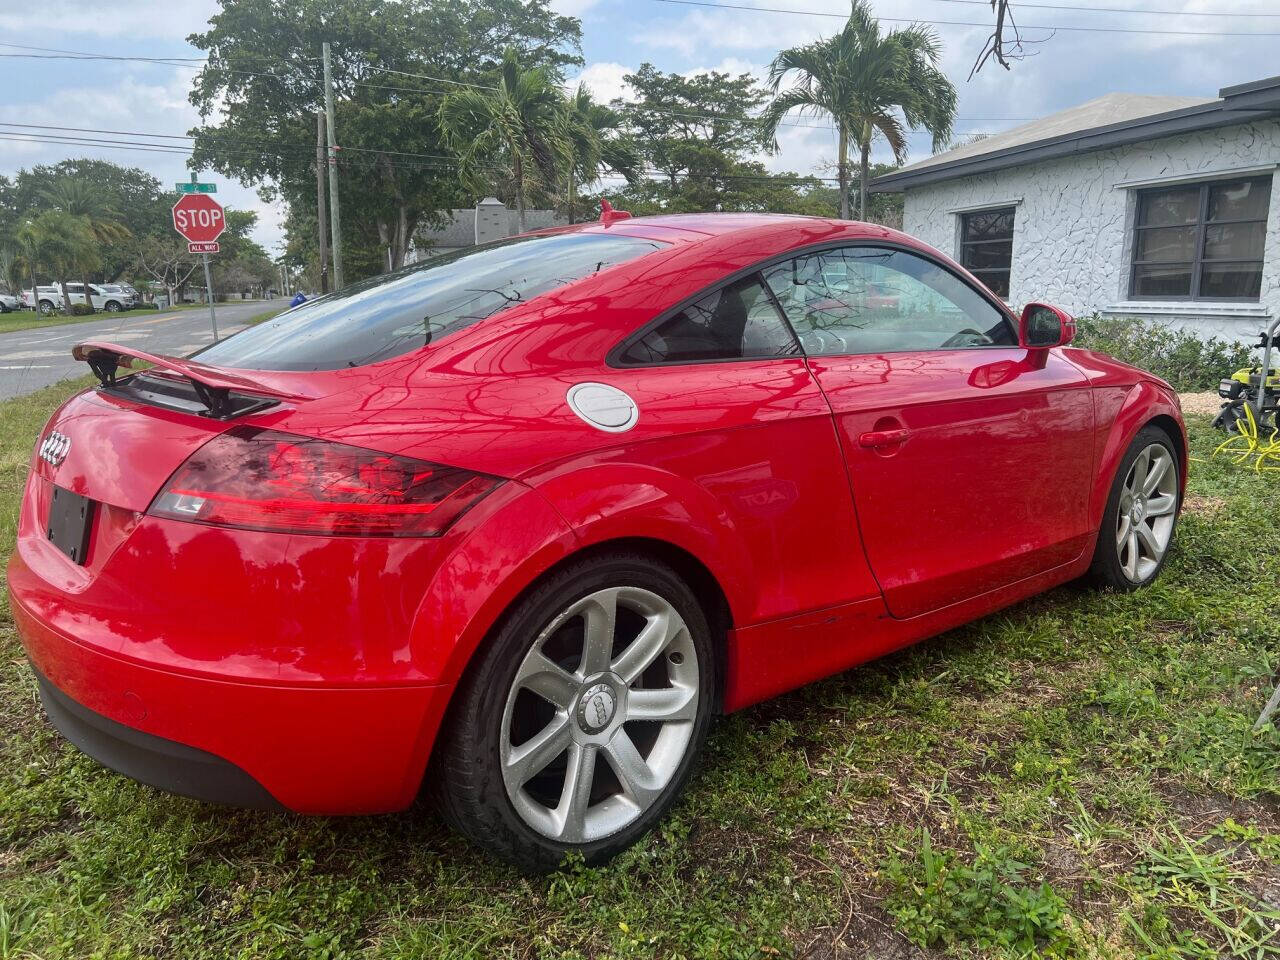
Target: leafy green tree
<point x="133" y="195"/>
<point x="393" y="63"/>
<point x="696" y="133"/>
<point x="596" y="144"/>
<point x="81" y="199"/>
<point x="516" y="129"/>
<point x="242" y="262"/>
<point x="882" y="208"/>
<point x="870" y="84"/>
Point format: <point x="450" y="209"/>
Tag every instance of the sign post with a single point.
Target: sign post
<point x="200" y="219"/>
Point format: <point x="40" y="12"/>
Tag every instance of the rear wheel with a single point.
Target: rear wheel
<point x="577" y="727"/>
<point x="46" y="307"/>
<point x="1141" y="514"/>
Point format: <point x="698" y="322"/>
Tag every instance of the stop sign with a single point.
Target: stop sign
<point x="198" y="217"/>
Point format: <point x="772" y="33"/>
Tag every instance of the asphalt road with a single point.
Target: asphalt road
<point x="31" y="359"/>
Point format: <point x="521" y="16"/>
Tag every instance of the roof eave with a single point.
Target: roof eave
<point x="1243" y="104"/>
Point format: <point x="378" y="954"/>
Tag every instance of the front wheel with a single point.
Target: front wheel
<point x="112" y="307"/>
<point x="576" y="727"/>
<point x="1141" y="514"/>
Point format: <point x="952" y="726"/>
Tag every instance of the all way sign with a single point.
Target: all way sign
<point x="210" y="247"/>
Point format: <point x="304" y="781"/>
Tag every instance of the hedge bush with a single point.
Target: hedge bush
<point x="81" y="310"/>
<point x="1179" y="356"/>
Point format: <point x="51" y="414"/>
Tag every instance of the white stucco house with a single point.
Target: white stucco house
<point x="1158" y="207"/>
<point x="490" y="219"/>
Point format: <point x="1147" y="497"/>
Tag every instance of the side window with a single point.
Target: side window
<point x="877" y="300"/>
<point x="736" y="322"/>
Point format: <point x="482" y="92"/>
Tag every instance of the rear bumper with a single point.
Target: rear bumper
<point x="152" y="760"/>
<point x="316" y="749"/>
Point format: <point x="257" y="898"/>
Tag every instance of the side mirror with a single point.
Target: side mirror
<point x="1042" y="327"/>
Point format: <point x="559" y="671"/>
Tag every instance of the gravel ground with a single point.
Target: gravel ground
<point x="1200" y="404"/>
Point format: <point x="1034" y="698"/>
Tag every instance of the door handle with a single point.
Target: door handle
<point x="884" y="438"/>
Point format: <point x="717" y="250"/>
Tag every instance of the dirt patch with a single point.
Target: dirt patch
<point x="1203" y="506"/>
<point x="1204" y="404"/>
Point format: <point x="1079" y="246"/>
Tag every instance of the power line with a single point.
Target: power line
<point x="965" y="23"/>
<point x="1025" y="4"/>
<point x="424" y="76"/>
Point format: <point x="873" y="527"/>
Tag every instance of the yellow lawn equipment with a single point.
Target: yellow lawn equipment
<point x="1249" y="414"/>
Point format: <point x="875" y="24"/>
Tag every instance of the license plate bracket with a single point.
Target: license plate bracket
<point x="70" y="520"/>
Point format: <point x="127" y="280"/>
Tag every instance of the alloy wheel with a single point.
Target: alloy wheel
<point x="1146" y="512"/>
<point x="600" y="715"/>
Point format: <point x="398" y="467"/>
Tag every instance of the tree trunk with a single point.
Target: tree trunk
<point x="66" y="298"/>
<point x="569" y="196"/>
<point x="401" y="250"/>
<point x="35" y="290"/>
<point x="864" y="170"/>
<point x="519" y="171"/>
<point x="842" y="170"/>
<point x="88" y="296"/>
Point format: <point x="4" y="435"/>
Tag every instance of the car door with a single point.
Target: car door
<point x="737" y="413"/>
<point x="969" y="458"/>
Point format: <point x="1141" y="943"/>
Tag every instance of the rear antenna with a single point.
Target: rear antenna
<point x="609" y="215"/>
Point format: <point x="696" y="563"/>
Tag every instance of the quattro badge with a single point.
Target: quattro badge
<point x="55" y="448"/>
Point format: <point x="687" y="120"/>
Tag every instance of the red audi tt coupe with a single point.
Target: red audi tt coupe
<point x="514" y="523"/>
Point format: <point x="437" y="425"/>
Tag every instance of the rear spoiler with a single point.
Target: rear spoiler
<point x="213" y="386"/>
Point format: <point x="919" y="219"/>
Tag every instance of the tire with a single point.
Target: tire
<point x="111" y="306"/>
<point x="496" y="717"/>
<point x="46" y="307"/>
<point x="1136" y="535"/>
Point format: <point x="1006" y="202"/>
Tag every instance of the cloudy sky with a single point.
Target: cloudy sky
<point x="1099" y="46"/>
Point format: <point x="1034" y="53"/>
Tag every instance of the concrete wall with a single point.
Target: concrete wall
<point x="1073" y="228"/>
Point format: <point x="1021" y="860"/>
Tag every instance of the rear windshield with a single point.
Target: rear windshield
<point x="398" y="312"/>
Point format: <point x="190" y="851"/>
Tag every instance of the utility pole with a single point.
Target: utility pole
<point x="335" y="220"/>
<point x="320" y="204"/>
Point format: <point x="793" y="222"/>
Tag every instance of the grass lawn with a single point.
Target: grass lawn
<point x="30" y="320"/>
<point x="1074" y="777"/>
<point x="266" y="315"/>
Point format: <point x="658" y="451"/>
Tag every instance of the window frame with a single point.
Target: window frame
<point x="1201" y="225"/>
<point x="614" y="357"/>
<point x="1012" y="210"/>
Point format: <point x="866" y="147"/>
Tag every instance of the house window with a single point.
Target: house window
<point x="1200" y="242"/>
<point x="986" y="247"/>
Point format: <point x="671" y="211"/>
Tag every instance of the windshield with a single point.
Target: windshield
<point x="398" y="312"/>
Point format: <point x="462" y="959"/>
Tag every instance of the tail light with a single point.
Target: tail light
<point x="263" y="480"/>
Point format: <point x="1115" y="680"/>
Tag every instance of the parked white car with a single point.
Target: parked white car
<point x="9" y="302"/>
<point x="110" y="298"/>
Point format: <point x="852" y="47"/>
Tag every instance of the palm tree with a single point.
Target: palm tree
<point x="79" y="198"/>
<point x="61" y="243"/>
<point x="863" y="80"/>
<point x="595" y="144"/>
<point x="520" y="119"/>
<point x="12" y="267"/>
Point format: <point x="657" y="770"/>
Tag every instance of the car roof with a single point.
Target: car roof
<point x="692" y="227"/>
